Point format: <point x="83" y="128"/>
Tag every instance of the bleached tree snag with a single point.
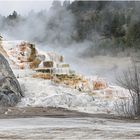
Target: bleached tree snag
<point x="130" y="80"/>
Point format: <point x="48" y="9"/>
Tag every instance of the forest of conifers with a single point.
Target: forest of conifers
<point x="110" y="25"/>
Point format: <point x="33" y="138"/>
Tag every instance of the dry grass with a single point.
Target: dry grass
<point x="71" y="81"/>
<point x="97" y="85"/>
<point x="42" y="75"/>
<point x="35" y="63"/>
<point x="3" y="52"/>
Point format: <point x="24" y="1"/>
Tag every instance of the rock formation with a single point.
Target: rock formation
<point x="2" y="51"/>
<point x="25" y="55"/>
<point x="10" y="91"/>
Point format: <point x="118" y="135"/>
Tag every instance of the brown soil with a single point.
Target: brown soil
<point x="28" y="112"/>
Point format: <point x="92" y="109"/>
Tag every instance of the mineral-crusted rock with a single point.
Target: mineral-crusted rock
<point x="10" y="91"/>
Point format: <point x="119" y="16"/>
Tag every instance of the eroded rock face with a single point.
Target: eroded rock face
<point x="10" y="91"/>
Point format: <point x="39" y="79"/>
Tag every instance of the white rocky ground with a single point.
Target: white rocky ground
<point x="68" y="128"/>
<point x="39" y="92"/>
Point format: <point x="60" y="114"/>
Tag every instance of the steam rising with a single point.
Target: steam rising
<point x="51" y="27"/>
<point x="55" y="30"/>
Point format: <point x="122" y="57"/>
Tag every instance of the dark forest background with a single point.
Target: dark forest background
<point x="109" y="26"/>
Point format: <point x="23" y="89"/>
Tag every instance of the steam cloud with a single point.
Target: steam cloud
<point x="54" y="30"/>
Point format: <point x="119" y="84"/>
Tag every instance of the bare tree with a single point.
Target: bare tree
<point x="130" y="80"/>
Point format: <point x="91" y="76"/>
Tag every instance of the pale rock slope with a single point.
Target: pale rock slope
<point x="10" y="91"/>
<point x="40" y="92"/>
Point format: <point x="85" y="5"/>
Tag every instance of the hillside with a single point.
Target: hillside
<point x="87" y="94"/>
<point x="109" y="27"/>
<point x="113" y="24"/>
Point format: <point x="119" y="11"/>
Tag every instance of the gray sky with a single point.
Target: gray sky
<point x="23" y="6"/>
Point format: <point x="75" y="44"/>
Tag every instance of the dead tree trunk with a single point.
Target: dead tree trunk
<point x="130" y="80"/>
